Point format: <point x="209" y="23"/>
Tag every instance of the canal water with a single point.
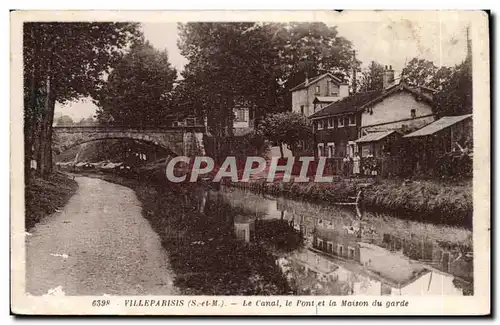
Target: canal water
<point x="341" y="254"/>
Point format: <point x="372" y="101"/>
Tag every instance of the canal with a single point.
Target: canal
<point x="328" y="250"/>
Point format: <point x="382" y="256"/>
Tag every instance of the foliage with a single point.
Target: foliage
<point x="63" y="61"/>
<point x="455" y="98"/>
<point x="372" y="77"/>
<point x="453" y="86"/>
<point x="286" y="128"/>
<point x="64" y="120"/>
<point x="44" y="197"/>
<point x="253" y="64"/>
<point x="138" y="90"/>
<point x="87" y="121"/>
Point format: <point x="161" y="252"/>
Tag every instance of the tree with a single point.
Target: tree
<point x="253" y="64"/>
<point x="63" y="61"/>
<point x="418" y="72"/>
<point x="372" y="78"/>
<point x="87" y="121"/>
<point x="453" y="86"/>
<point x="138" y="90"/>
<point x="64" y="120"/>
<point x="455" y="97"/>
<point x="286" y="128"/>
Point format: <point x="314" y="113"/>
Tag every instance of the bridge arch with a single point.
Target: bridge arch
<point x="178" y="140"/>
<point x="60" y="148"/>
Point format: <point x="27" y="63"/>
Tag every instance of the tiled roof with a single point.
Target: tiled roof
<point x="438" y="125"/>
<point x="348" y="104"/>
<point x="313" y="80"/>
<point x="359" y="101"/>
<point x="375" y="136"/>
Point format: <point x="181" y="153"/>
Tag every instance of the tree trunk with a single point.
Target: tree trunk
<point x="46" y="126"/>
<point x="30" y="120"/>
<point x="281" y="150"/>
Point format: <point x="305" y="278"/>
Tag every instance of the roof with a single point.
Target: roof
<point x="327" y="99"/>
<point x="362" y="100"/>
<point x="438" y="125"/>
<point x="375" y="136"/>
<point x="315" y="79"/>
<point x="347" y="104"/>
<point x="400" y="87"/>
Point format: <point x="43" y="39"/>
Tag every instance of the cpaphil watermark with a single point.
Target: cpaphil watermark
<point x="301" y="167"/>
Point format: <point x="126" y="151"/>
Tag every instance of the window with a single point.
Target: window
<point x="317" y="90"/>
<point x="320" y="149"/>
<point x="302" y="109"/>
<point x="340" y="250"/>
<point x="240" y="115"/>
<point x="320" y="124"/>
<point x="350" y="253"/>
<point x="352" y="119"/>
<point x="331" y="149"/>
<point x="330" y="123"/>
<point x="330" y="247"/>
<point x="413" y="113"/>
<point x="334" y="90"/>
<point x="341" y="121"/>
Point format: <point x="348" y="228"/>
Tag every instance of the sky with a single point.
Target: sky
<point x="388" y="43"/>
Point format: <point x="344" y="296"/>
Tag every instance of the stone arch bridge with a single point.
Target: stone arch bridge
<point x="181" y="140"/>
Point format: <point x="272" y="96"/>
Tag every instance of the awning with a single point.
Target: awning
<point x="325" y="99"/>
<point x="438" y="125"/>
<point x="375" y="136"/>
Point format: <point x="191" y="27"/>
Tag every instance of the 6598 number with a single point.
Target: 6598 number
<point x="100" y="303"/>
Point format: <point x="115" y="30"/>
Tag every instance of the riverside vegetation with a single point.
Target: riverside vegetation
<point x="45" y="196"/>
<point x="440" y="202"/>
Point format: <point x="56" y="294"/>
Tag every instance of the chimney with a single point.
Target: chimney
<point x="388" y="77"/>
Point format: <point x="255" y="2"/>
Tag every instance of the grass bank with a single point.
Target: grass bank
<point x="439" y="202"/>
<point x="45" y="196"/>
<point x="204" y="252"/>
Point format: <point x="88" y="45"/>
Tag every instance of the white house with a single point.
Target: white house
<point x="313" y="94"/>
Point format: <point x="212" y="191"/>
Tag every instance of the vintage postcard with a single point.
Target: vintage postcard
<point x="250" y="163"/>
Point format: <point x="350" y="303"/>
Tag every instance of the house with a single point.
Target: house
<point x="336" y="126"/>
<point x="242" y="118"/>
<point x="340" y="126"/>
<point x="313" y="94"/>
<point x="399" y="107"/>
<point x="449" y="137"/>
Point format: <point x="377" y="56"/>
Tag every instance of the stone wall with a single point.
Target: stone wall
<point x="170" y="139"/>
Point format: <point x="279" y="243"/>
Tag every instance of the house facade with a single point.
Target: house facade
<point x="398" y="108"/>
<point x="242" y="117"/>
<point x="325" y="89"/>
<point x="336" y="127"/>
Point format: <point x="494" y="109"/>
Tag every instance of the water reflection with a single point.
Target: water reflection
<point x="341" y="255"/>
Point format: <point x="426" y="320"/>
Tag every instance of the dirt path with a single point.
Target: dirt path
<point x="98" y="244"/>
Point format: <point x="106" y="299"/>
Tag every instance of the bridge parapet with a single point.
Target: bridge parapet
<point x="177" y="139"/>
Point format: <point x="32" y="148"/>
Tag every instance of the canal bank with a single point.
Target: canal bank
<point x="97" y="244"/>
<point x="43" y="197"/>
<point x="439" y="202"/>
